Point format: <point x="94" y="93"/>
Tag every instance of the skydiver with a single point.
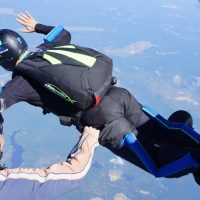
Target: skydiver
<point x="14" y="50"/>
<point x="19" y="89"/>
<point x="129" y="130"/>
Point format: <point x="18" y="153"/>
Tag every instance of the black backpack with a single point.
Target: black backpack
<point x="77" y="74"/>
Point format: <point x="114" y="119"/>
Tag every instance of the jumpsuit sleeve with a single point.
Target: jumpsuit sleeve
<point x="121" y="112"/>
<point x="17" y="90"/>
<point x="48" y="183"/>
<point x="64" y="37"/>
<point x="43" y="29"/>
<point x="112" y="135"/>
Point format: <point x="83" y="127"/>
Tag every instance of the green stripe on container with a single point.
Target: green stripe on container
<point x="85" y="59"/>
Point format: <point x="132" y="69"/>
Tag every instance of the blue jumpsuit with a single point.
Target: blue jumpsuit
<point x="143" y="137"/>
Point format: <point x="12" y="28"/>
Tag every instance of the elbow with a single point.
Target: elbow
<point x="67" y="36"/>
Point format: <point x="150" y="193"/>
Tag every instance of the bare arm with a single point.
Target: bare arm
<point x="31" y="25"/>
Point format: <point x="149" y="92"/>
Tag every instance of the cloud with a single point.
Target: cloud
<point x="186" y="98"/>
<point x="169" y="29"/>
<point x="137" y="68"/>
<point x="129" y="50"/>
<point x="121" y="196"/>
<point x="115" y="175"/>
<point x="177" y="79"/>
<point x="171" y="6"/>
<point x="7" y="11"/>
<point x="96" y="198"/>
<point x="167" y="53"/>
<point x="158" y="73"/>
<point x="197" y="81"/>
<point x="84" y="29"/>
<point x="145" y="192"/>
<point x="172" y="32"/>
<point x="117" y="161"/>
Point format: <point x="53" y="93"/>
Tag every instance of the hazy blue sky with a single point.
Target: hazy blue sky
<point x="155" y="46"/>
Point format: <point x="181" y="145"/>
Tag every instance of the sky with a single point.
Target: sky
<point x="155" y="48"/>
<point x="151" y="43"/>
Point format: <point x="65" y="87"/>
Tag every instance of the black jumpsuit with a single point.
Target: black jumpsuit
<point x="118" y="113"/>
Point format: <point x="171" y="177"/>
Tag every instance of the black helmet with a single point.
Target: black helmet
<point x="12" y="46"/>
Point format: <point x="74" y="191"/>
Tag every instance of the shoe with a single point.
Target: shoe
<point x="196" y="175"/>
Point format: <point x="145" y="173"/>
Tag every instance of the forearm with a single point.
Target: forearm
<point x="76" y="166"/>
<point x="59" y="176"/>
<point x="31" y="25"/>
<point x="40" y="28"/>
<point x="79" y="161"/>
<point x="64" y="36"/>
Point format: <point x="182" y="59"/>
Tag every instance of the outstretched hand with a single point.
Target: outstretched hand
<point x="92" y="131"/>
<point x="26" y="20"/>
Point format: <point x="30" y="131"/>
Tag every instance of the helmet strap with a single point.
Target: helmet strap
<point x="22" y="57"/>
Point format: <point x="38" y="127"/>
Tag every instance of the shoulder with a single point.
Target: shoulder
<point x="18" y="79"/>
<point x="18" y="84"/>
